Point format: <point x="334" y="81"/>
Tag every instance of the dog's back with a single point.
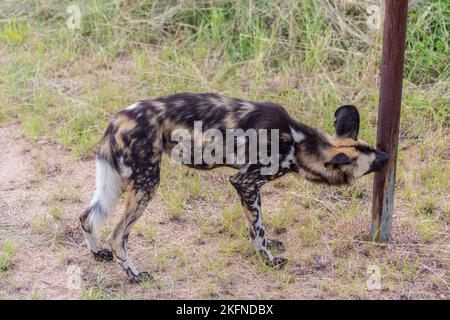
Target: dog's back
<point x="150" y="125"/>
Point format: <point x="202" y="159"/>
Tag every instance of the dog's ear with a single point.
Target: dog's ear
<point x="340" y="158"/>
<point x="346" y="122"/>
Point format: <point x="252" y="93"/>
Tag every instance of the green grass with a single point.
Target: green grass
<point x="310" y="56"/>
<point x="6" y="256"/>
<point x="14" y="33"/>
<point x="65" y="84"/>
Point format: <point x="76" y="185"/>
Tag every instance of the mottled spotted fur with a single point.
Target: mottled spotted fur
<point x="132" y="146"/>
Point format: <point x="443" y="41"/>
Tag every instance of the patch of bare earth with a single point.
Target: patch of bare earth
<point x="43" y="189"/>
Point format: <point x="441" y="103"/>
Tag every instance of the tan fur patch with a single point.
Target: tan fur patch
<point x="362" y="164"/>
<point x="153" y="122"/>
<point x="285" y="136"/>
<point x="169" y="126"/>
<point x="119" y="140"/>
<point x="312" y="163"/>
<point x="230" y="122"/>
<point x="227" y="100"/>
<point x="179" y="103"/>
<point x="338" y="142"/>
<point x="218" y="102"/>
<point x="124" y="123"/>
<point x="246" y="109"/>
<point x="158" y="105"/>
<point x="251" y="218"/>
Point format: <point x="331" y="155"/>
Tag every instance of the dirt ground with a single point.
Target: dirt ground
<point x="43" y="189"/>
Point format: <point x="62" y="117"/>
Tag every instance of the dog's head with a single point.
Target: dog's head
<point x="339" y="159"/>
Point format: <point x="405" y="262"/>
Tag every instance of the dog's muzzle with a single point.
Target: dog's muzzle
<point x="380" y="161"/>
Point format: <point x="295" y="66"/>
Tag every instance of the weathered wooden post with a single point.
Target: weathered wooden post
<point x="394" y="41"/>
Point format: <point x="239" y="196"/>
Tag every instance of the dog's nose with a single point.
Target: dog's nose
<point x="382" y="158"/>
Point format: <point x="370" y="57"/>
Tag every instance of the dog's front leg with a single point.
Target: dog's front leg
<point x="248" y="186"/>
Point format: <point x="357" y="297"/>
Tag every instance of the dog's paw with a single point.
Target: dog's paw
<point x="141" y="277"/>
<point x="277" y="262"/>
<point x="276" y="245"/>
<point x="103" y="255"/>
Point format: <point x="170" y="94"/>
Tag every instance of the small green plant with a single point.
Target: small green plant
<point x="40" y="224"/>
<point x="7" y="255"/>
<point x="174" y="202"/>
<point x="33" y="127"/>
<point x="194" y="184"/>
<point x="13" y="32"/>
<point x="232" y="221"/>
<point x="150" y="233"/>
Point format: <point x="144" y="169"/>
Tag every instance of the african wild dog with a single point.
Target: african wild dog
<point x="130" y="155"/>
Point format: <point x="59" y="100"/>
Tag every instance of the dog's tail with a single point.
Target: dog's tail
<point x="108" y="188"/>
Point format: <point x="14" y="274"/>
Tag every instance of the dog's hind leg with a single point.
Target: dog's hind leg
<point x="139" y="193"/>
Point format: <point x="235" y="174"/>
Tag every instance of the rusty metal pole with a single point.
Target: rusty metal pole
<point x="394" y="42"/>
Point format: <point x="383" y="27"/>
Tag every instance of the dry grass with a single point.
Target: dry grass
<point x="59" y="88"/>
